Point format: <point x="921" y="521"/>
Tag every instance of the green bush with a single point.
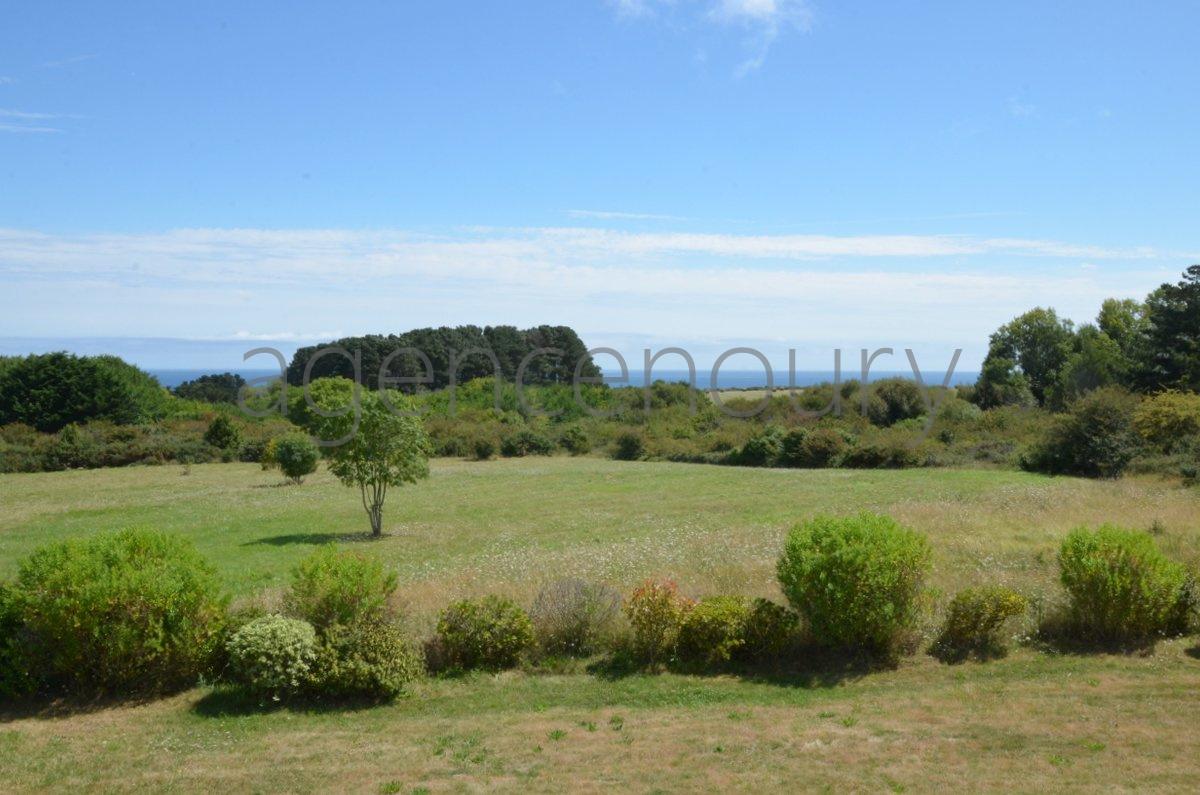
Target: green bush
<point x="856" y="579"/>
<point x="823" y="447"/>
<point x="574" y="617"/>
<point x="791" y="448"/>
<point x="483" y="448"/>
<point x="974" y="623"/>
<point x="713" y="632"/>
<point x="761" y="450"/>
<point x="490" y="633"/>
<point x="274" y="656"/>
<point x="1121" y="588"/>
<point x="575" y="441"/>
<point x="334" y="587"/>
<point x="889" y="453"/>
<point x="525" y="442"/>
<point x="893" y="400"/>
<point x="120" y="613"/>
<point x="655" y="611"/>
<point x="368" y="659"/>
<point x="15" y="675"/>
<point x="629" y="446"/>
<point x="769" y="630"/>
<point x="223" y="434"/>
<point x="1168" y="419"/>
<point x="1095" y="439"/>
<point x="296" y="455"/>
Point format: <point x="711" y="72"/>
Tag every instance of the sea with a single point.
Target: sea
<point x="726" y="379"/>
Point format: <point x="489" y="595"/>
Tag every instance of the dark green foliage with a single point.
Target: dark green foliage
<point x="16" y="671"/>
<point x="1001" y="384"/>
<point x="223" y="434"/>
<point x="367" y="659"/>
<point x="768" y="631"/>
<point x="213" y="388"/>
<point x="855" y="579"/>
<point x="339" y="587"/>
<point x="490" y="633"/>
<point x="822" y="447"/>
<point x="119" y="613"/>
<point x="296" y="455"/>
<point x="974" y="623"/>
<point x="629" y="447"/>
<point x="52" y="390"/>
<point x="525" y="442"/>
<point x="1171" y="352"/>
<point x="483" y="448"/>
<point x="893" y="452"/>
<point x="1096" y="361"/>
<point x="1038" y="343"/>
<point x="760" y="450"/>
<point x="274" y="657"/>
<point x="893" y="400"/>
<point x="508" y="344"/>
<point x="575" y="617"/>
<point x="713" y="631"/>
<point x="575" y="440"/>
<point x="1094" y="439"/>
<point x="1122" y="589"/>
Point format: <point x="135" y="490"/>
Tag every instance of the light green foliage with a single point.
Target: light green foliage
<point x="381" y="446"/>
<point x="333" y="586"/>
<point x="367" y="659"/>
<point x="974" y="623"/>
<point x="490" y="633"/>
<point x="575" y="617"/>
<point x="856" y="579"/>
<point x="713" y="631"/>
<point x="129" y="612"/>
<point x="274" y="656"/>
<point x="1168" y="420"/>
<point x="655" y="611"/>
<point x="296" y="455"/>
<point x="1122" y="588"/>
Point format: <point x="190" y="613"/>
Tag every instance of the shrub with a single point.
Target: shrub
<point x="296" y="455"/>
<point x="893" y="400"/>
<point x="526" y="442"/>
<point x="890" y="453"/>
<point x="274" y="656"/>
<point x="483" y="449"/>
<point x="1168" y="419"/>
<point x="974" y="622"/>
<point x="223" y="434"/>
<point x="368" y="659"/>
<point x="122" y="613"/>
<point x="769" y="630"/>
<point x="1095" y="439"/>
<point x="574" y="617"/>
<point x="713" y="631"/>
<point x="823" y="447"/>
<point x="15" y="675"/>
<point x="791" y="448"/>
<point x="655" y="611"/>
<point x="490" y="633"/>
<point x="761" y="450"/>
<point x="334" y="587"/>
<point x="629" y="447"/>
<point x="855" y="579"/>
<point x="575" y="441"/>
<point x="1121" y="588"/>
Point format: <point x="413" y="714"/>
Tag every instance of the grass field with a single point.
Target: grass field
<point x="1031" y="721"/>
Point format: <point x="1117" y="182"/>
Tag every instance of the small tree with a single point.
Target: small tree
<point x="296" y="456"/>
<point x="383" y="446"/>
<point x="222" y="433"/>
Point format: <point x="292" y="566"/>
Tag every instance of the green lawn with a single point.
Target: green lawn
<point x="1032" y="721"/>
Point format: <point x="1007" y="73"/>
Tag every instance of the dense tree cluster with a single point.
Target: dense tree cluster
<point x="1149" y="346"/>
<point x="50" y="391"/>
<point x="471" y="345"/>
<point x="213" y="388"/>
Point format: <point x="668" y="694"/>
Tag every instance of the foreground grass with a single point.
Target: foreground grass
<point x="1030" y="722"/>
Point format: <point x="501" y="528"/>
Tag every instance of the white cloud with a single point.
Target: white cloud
<point x="25" y="122"/>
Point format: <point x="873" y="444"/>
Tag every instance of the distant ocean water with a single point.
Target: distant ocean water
<point x="728" y="379"/>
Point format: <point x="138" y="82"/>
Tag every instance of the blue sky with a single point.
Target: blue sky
<point x="697" y="172"/>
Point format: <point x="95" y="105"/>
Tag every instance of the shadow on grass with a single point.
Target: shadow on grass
<point x="312" y="538"/>
<point x="812" y="668"/>
<point x="1193" y="652"/>
<point x="226" y="702"/>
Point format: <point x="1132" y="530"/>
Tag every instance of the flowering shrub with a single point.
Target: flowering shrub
<point x="655" y="611"/>
<point x="274" y="656"/>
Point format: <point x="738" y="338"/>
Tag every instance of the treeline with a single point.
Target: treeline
<point x="472" y="347"/>
<point x="1145" y="346"/>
